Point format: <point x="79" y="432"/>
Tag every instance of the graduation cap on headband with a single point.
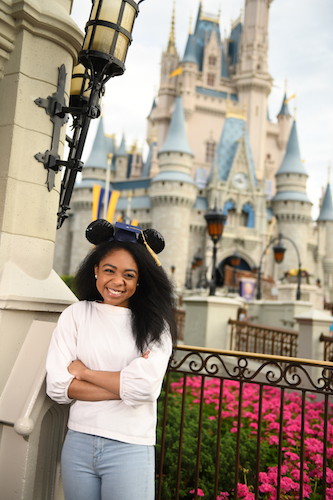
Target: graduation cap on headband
<point x="101" y="231"/>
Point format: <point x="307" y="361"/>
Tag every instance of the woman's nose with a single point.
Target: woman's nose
<point x="117" y="279"/>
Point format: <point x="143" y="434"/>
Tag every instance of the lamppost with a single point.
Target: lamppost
<point x="108" y="34"/>
<point x="279" y="251"/>
<point x="215" y="220"/>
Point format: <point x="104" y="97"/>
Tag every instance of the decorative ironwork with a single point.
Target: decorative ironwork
<point x="54" y="105"/>
<point x="186" y="420"/>
<point x="282" y="371"/>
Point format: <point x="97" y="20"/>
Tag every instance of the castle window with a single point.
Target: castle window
<point x="210" y="151"/>
<point x="268" y="156"/>
<point x="212" y="61"/>
<point x="211" y="80"/>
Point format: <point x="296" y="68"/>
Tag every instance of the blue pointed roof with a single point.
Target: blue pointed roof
<point x="190" y="52"/>
<point x="147" y="166"/>
<point x="233" y="45"/>
<point x="326" y="211"/>
<point x="284" y="108"/>
<point x="153" y="106"/>
<point x="176" y="140"/>
<point x="203" y="30"/>
<point x="98" y="156"/>
<point x="122" y="148"/>
<point x="233" y="131"/>
<point x="224" y="66"/>
<point x="292" y="163"/>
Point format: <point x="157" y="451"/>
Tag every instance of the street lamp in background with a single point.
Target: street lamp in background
<point x="215" y="220"/>
<point x="108" y="34"/>
<point x="279" y="251"/>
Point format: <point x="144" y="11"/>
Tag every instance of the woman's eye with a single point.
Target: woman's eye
<point x="129" y="275"/>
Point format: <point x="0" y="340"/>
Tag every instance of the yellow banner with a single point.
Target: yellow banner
<point x="289" y="99"/>
<point x="177" y="71"/>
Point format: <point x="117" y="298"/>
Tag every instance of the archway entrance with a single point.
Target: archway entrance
<point x="228" y="275"/>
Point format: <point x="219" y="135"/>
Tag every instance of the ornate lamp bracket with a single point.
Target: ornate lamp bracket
<point x="54" y="106"/>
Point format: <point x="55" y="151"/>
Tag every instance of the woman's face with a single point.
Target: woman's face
<point x="117" y="277"/>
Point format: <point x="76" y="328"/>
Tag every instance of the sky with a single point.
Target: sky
<point x="300" y="50"/>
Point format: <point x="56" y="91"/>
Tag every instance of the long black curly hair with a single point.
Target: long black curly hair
<point x="153" y="303"/>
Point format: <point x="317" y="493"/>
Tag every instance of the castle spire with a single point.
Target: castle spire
<point x="292" y="163"/>
<point x="172" y="43"/>
<point x="176" y="139"/>
<point x="98" y="156"/>
<point x="326" y="210"/>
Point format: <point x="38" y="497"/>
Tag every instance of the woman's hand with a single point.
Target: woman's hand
<point x="77" y="368"/>
<point x="145" y="354"/>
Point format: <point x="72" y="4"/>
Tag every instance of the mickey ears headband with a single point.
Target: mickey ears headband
<point x="101" y="231"/>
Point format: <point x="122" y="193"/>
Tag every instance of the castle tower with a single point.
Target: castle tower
<point x="325" y="243"/>
<point x="290" y="205"/>
<point x="173" y="193"/>
<point x="189" y="71"/>
<point x="97" y="163"/>
<point x="283" y="118"/>
<point x="168" y="86"/>
<point x="121" y="160"/>
<point x="252" y="79"/>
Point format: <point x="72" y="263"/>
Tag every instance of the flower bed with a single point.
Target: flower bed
<point x="290" y="471"/>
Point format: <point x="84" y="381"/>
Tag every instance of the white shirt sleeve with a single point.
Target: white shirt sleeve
<point x="141" y="380"/>
<point x="62" y="351"/>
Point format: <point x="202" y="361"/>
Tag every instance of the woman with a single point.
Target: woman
<point x="107" y="357"/>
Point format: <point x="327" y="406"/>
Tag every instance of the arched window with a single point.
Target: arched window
<point x="229" y="210"/>
<point x="210" y="151"/>
<point x="247" y="217"/>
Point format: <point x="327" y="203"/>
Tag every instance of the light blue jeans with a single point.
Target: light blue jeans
<point x="96" y="468"/>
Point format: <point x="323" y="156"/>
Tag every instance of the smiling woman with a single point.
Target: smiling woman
<point x="117" y="278"/>
<point x="108" y="356"/>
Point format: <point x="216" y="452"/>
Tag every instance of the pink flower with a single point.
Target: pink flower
<point x="223" y="495"/>
<point x="273" y="440"/>
<point x="200" y="493"/>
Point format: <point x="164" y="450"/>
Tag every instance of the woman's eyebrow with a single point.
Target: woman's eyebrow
<point x="115" y="267"/>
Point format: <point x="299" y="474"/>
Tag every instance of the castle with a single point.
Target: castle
<point x="211" y="142"/>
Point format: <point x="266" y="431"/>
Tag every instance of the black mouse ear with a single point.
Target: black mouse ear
<point x="99" y="231"/>
<point x="154" y="239"/>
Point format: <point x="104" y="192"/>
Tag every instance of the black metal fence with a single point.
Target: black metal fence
<point x="233" y="427"/>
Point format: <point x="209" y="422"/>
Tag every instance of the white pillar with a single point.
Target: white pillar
<point x="42" y="37"/>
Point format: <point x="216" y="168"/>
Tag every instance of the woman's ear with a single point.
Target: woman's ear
<point x="95" y="270"/>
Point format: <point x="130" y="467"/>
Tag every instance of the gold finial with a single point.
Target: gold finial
<point x="285" y="85"/>
<point x="190" y="29"/>
<point x="295" y="113"/>
<point x="171" y="42"/>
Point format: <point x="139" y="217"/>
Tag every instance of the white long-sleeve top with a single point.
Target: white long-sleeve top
<point x="100" y="335"/>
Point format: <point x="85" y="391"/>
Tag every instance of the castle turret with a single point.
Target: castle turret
<point x="168" y="85"/>
<point x="121" y="160"/>
<point x="291" y="205"/>
<point x="189" y="71"/>
<point x="325" y="243"/>
<point x="97" y="163"/>
<point x="283" y="118"/>
<point x="252" y="79"/>
<point x="173" y="193"/>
